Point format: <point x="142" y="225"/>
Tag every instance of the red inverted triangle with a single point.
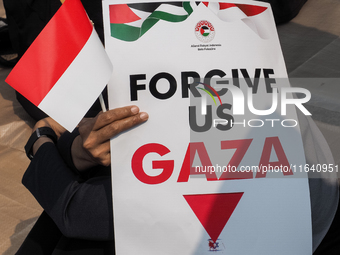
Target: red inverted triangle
<point x="213" y="210"/>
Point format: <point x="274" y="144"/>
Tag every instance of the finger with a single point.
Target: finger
<point x="119" y="126"/>
<point x="111" y="116"/>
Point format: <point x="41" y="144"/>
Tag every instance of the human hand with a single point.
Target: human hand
<point x="92" y="146"/>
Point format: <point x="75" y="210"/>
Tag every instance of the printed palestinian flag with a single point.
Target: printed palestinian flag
<point x="66" y="68"/>
<point x="205" y="31"/>
<point x="130" y="21"/>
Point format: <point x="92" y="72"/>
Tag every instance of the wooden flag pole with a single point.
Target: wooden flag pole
<point x="102" y="103"/>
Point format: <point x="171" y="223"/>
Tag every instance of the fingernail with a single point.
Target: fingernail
<point x="144" y="116"/>
<point x="134" y="109"/>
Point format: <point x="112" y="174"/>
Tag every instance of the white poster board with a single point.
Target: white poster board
<point x="167" y="201"/>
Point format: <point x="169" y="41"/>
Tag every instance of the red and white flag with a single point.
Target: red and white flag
<point x="249" y="14"/>
<point x="66" y="68"/>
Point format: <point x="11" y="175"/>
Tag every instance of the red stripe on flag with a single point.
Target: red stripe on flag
<point x="251" y="10"/>
<point x="121" y="13"/>
<point x="224" y="6"/>
<point x="52" y="52"/>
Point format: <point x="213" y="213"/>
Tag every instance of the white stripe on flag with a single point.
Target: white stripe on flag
<point x="143" y="15"/>
<point x="175" y="10"/>
<point x="231" y="14"/>
<point x="260" y="24"/>
<point x="172" y="9"/>
<point x="214" y="7"/>
<point x="257" y="23"/>
<point x="193" y="5"/>
<point x="80" y="85"/>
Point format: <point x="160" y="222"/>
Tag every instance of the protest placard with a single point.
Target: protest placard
<point x="212" y="170"/>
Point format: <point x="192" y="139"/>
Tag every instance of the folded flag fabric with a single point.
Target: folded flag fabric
<point x="130" y="21"/>
<point x="231" y="11"/>
<point x="249" y="14"/>
<point x="66" y="68"/>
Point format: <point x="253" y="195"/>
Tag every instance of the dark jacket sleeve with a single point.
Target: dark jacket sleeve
<point x="80" y="208"/>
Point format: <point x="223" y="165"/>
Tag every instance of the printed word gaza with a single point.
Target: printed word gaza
<point x="187" y="169"/>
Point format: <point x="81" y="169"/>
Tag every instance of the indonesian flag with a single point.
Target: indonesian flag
<point x="66" y="68"/>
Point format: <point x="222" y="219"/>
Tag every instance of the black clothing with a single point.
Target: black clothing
<point x="78" y="216"/>
<point x="46" y="239"/>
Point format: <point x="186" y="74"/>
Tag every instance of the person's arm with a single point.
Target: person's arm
<point x="81" y="209"/>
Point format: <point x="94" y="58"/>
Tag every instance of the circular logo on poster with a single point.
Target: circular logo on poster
<point x="204" y="31"/>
